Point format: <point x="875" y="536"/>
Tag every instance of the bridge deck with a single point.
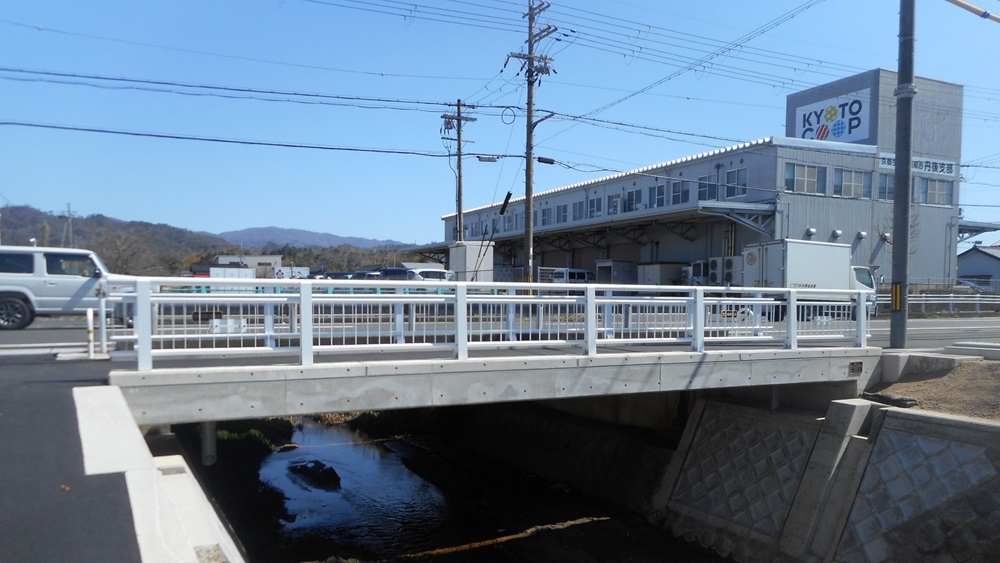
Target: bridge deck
<point x="376" y="382"/>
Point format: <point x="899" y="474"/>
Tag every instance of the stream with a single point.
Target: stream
<point x="421" y="498"/>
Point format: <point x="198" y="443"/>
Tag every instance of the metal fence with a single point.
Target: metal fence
<point x="185" y="317"/>
<point x="946" y="303"/>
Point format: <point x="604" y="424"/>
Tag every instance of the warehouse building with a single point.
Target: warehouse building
<point x="830" y="178"/>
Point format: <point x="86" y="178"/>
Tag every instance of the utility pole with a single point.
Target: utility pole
<point x="534" y="65"/>
<point x="905" y="91"/>
<point x="68" y="227"/>
<point x="455" y="122"/>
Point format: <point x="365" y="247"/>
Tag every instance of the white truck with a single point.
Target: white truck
<point x="804" y="264"/>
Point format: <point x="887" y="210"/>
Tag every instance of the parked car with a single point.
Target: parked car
<point x="45" y="281"/>
<point x="392" y="274"/>
<point x="421" y="274"/>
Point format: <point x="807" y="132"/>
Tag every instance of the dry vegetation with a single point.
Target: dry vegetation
<point x="971" y="389"/>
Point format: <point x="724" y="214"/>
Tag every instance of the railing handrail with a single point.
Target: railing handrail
<point x="309" y="316"/>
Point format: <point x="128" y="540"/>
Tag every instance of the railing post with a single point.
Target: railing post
<point x="269" y="320"/>
<point x="511" y="310"/>
<point x="143" y="325"/>
<point x="102" y="318"/>
<point x="698" y="321"/>
<point x="861" y="308"/>
<point x="398" y="319"/>
<point x="590" y="327"/>
<point x="609" y="317"/>
<point x="306" y="322"/>
<point x="461" y="322"/>
<point x="90" y="334"/>
<point x="792" y="321"/>
<point x="757" y="313"/>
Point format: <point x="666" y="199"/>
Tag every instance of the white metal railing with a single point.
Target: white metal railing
<point x="187" y="317"/>
<point x="929" y="303"/>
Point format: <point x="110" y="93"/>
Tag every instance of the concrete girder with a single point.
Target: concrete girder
<point x="170" y="396"/>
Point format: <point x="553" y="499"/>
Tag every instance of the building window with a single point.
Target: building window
<point x="496" y="224"/>
<point x="633" y="201"/>
<point x="546" y="216"/>
<point x="852" y="183"/>
<point x="805" y="179"/>
<point x="935" y="192"/>
<point x="736" y="183"/>
<point x="708" y="190"/>
<point x="679" y="192"/>
<point x="561" y="213"/>
<point x="657" y="196"/>
<point x="614" y="204"/>
<point x="594" y="208"/>
<point x="519" y="221"/>
<point x="886" y="185"/>
<point x="578" y="207"/>
<point x="508" y="223"/>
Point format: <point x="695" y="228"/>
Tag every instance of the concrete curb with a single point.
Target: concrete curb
<point x="898" y="364"/>
<point x="173" y="519"/>
<point x="985" y="350"/>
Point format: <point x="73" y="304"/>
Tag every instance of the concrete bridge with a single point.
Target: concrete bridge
<point x="390" y="345"/>
<point x="797" y="469"/>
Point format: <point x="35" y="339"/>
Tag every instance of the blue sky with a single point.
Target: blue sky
<point x="366" y="83"/>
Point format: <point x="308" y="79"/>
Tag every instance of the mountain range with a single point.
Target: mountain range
<point x="19" y="224"/>
<point x="261" y="237"/>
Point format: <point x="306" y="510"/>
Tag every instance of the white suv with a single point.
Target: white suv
<point x="43" y="281"/>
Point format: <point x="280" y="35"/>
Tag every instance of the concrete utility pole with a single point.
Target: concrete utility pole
<point x="455" y="122"/>
<point x="534" y="65"/>
<point x="905" y="91"/>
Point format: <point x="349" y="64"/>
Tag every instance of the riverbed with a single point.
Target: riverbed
<point x="422" y="497"/>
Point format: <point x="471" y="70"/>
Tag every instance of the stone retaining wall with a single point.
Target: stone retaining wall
<point x="864" y="483"/>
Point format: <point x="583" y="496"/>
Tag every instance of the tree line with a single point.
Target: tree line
<point x="148" y="249"/>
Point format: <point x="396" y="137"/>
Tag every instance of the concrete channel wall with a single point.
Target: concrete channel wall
<point x="864" y="483"/>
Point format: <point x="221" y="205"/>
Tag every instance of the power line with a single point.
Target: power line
<point x="379" y="74"/>
<point x="236" y="141"/>
<point x="434" y="106"/>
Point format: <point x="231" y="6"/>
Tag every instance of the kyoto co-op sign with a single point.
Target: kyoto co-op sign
<point x="844" y="118"/>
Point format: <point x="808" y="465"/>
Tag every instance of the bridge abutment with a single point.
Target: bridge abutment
<point x="863" y="483"/>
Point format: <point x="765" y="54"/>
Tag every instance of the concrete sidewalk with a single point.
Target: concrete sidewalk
<point x="79" y="482"/>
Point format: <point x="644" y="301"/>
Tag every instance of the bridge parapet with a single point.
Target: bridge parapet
<point x="206" y="317"/>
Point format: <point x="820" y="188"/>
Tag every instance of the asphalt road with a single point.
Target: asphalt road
<point x="49" y="509"/>
<point x="71" y="332"/>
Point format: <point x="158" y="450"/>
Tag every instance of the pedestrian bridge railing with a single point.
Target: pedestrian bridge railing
<point x="159" y="318"/>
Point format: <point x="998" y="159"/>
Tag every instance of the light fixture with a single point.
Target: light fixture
<point x="811" y="231"/>
<point x="862" y="234"/>
<point x="837" y="233"/>
<point x="886" y="236"/>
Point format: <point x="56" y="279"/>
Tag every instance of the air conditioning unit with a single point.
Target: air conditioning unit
<point x="732" y="270"/>
<point x="699" y="273"/>
<point x="715" y="270"/>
